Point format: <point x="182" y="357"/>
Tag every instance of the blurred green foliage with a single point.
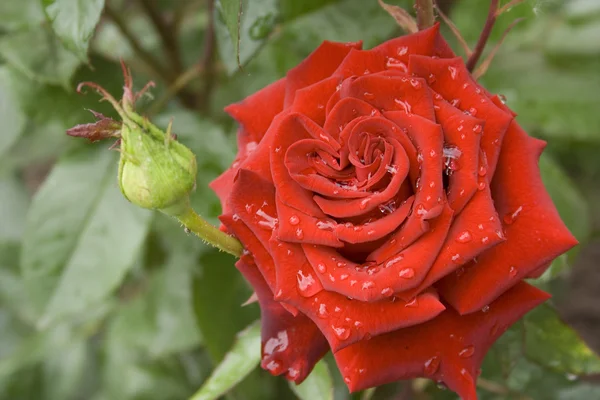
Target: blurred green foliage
<point x="101" y="300"/>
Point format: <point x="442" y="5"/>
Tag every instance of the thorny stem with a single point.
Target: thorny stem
<point x="485" y="35"/>
<point x="425" y="17"/>
<point x="205" y="231"/>
<point x="167" y="33"/>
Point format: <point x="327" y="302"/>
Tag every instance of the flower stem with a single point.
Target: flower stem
<point x="425" y="17"/>
<point x="210" y="234"/>
<point x="485" y="35"/>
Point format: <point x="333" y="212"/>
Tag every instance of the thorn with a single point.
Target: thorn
<point x="252" y="299"/>
<point x="483" y="67"/>
<point x="169" y="136"/>
<point x="455" y="31"/>
<point x="115" y="145"/>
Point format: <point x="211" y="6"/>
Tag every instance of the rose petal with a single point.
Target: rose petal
<point x="377" y="280"/>
<point x="534" y="232"/>
<point x="462" y="132"/>
<point x="342" y="321"/>
<point x="256" y="111"/>
<point x="291" y="345"/>
<point x="452" y="80"/>
<point x="320" y="64"/>
<point x="449" y="348"/>
<point x="311" y="100"/>
<point x="473" y="232"/>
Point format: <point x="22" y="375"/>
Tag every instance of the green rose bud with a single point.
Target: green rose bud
<point x="155" y="171"/>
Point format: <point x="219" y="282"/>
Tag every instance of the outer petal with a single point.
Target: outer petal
<point x="343" y="321"/>
<point x="256" y="111"/>
<point x="291" y="345"/>
<point x="534" y="231"/>
<point x="449" y="348"/>
<point x="320" y="64"/>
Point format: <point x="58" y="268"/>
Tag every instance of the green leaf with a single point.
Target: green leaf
<point x="231" y="13"/>
<point x="14" y="200"/>
<point x="12" y="117"/>
<point x="238" y="43"/>
<point x="219" y="291"/>
<point x="243" y="357"/>
<point x="80" y="256"/>
<point x="317" y="386"/>
<point x="551" y="343"/>
<point x="159" y="321"/>
<point x="74" y="22"/>
<point x="63" y="372"/>
<point x="20" y="14"/>
<point x="38" y="54"/>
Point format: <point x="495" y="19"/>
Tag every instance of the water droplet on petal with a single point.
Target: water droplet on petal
<point x="464" y="237"/>
<point x="322" y="268"/>
<point x="432" y="365"/>
<point x="481" y="186"/>
<point x="387" y="292"/>
<point x="477" y="128"/>
<point x="367" y="285"/>
<point x="363" y="203"/>
<point x="323" y="311"/>
<point x="402" y="50"/>
<point x="368" y="95"/>
<point x="294" y="220"/>
<point x="485" y="309"/>
<point x="431" y="79"/>
<point x="412" y="303"/>
<point x="299" y="233"/>
<point x="452" y="72"/>
<point x="467" y="352"/>
<point x="341" y="332"/>
<point x="456" y="258"/>
<point x="235" y="217"/>
<point x="415" y="83"/>
<point x="306" y="284"/>
<point x="407" y="273"/>
<point x="406" y="107"/>
<point x="512" y="271"/>
<point x="510" y="217"/>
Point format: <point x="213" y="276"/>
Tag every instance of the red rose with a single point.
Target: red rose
<point x="390" y="208"/>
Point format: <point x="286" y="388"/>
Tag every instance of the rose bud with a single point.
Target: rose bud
<point x="392" y="209"/>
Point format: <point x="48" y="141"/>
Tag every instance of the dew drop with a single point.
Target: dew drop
<point x="482" y="171"/>
<point x="415" y="83"/>
<point x="412" y="303"/>
<point x="456" y="258"/>
<point x="363" y="203"/>
<point x="432" y="365"/>
<point x="477" y="128"/>
<point x="407" y="273"/>
<point x="322" y="268"/>
<point x="402" y="50"/>
<point x="367" y="285"/>
<point x="467" y="352"/>
<point x="452" y="72"/>
<point x="368" y="95"/>
<point x="404" y="105"/>
<point x="299" y="233"/>
<point x="343" y="277"/>
<point x="512" y="271"/>
<point x="485" y="239"/>
<point x="510" y="217"/>
<point x="464" y="237"/>
<point x="431" y="79"/>
<point x="294" y="220"/>
<point x="387" y="292"/>
<point x="485" y="309"/>
<point x="323" y="311"/>
<point x="473" y="111"/>
<point x="235" y="217"/>
<point x="306" y="284"/>
<point x="481" y="186"/>
<point x="341" y="332"/>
